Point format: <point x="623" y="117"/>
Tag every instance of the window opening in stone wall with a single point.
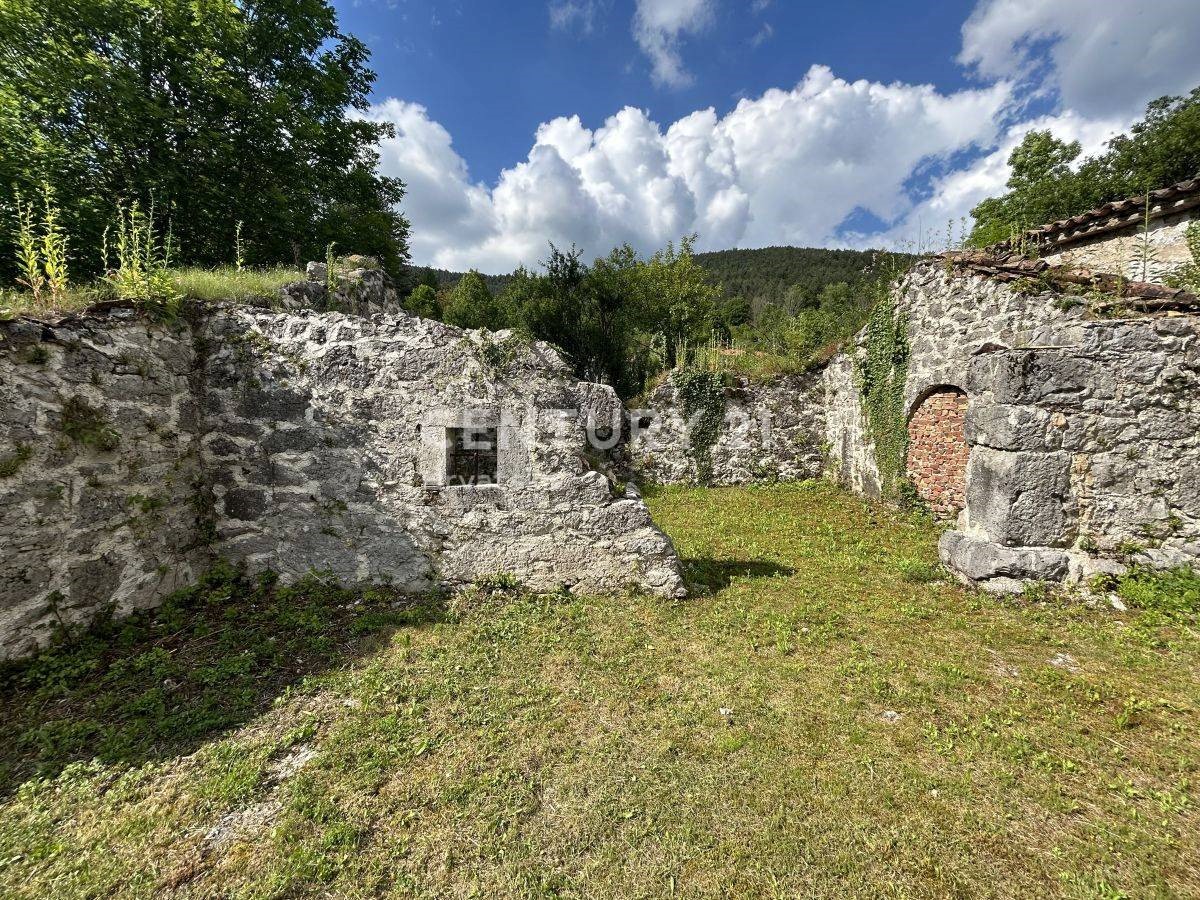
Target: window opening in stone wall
<point x="471" y="456"/>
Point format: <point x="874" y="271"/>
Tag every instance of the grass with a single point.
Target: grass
<point x="824" y="717"/>
<point x="226" y="284"/>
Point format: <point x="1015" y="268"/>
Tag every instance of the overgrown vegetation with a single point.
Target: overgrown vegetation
<point x="235" y="118"/>
<point x="701" y="397"/>
<point x="882" y="371"/>
<point x="1188" y="276"/>
<point x="1049" y="183"/>
<point x="626" y="319"/>
<point x="819" y="699"/>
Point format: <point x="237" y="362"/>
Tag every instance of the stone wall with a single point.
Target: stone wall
<point x="1085" y="456"/>
<point x="770" y="431"/>
<point x="328" y="437"/>
<point x="134" y="454"/>
<point x="99" y="470"/>
<point x="951" y="318"/>
<point x="1120" y="252"/>
<point x="938" y="451"/>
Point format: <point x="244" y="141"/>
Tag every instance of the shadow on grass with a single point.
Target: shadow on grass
<point x="212" y="657"/>
<point x="718" y="574"/>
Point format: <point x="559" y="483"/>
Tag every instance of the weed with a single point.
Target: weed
<point x="13" y="463"/>
<point x="143" y="258"/>
<point x="86" y="425"/>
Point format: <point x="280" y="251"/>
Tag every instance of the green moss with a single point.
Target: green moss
<point x="13" y="463"/>
<point x="86" y="425"/>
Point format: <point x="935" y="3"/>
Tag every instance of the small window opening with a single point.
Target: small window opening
<point x="471" y="456"/>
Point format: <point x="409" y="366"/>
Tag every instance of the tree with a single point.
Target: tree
<point x="471" y="304"/>
<point x="1042" y="188"/>
<point x="213" y="111"/>
<point x="422" y="302"/>
<point x="1046" y="186"/>
<point x="683" y="299"/>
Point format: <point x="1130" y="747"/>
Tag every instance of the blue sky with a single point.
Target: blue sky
<point x="750" y="122"/>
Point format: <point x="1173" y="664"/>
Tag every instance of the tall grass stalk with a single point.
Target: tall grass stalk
<point x="143" y="260"/>
<point x="28" y="257"/>
<point x="54" y="245"/>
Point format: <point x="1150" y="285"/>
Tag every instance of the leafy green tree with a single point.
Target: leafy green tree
<point x="1042" y="188"/>
<point x="211" y="111"/>
<point x="422" y="302"/>
<point x="1046" y="185"/>
<point x="471" y="305"/>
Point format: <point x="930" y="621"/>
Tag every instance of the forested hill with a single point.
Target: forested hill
<point x="447" y="280"/>
<point x="767" y="275"/>
<point x="761" y="276"/>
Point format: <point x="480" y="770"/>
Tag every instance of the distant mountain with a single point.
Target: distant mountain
<point x="447" y="280"/>
<point x="760" y="276"/>
<point x="766" y="275"/>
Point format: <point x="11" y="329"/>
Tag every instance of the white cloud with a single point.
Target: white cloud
<point x="1109" y="57"/>
<point x="955" y="194"/>
<point x="764" y="34"/>
<point x="786" y="167"/>
<point x="789" y="166"/>
<point x="658" y="28"/>
<point x="566" y="15"/>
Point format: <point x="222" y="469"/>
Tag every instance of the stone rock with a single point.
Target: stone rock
<point x="980" y="559"/>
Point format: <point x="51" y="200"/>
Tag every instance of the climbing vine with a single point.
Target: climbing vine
<point x="701" y="396"/>
<point x="882" y="368"/>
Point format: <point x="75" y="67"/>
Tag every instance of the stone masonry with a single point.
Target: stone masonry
<point x="770" y="431"/>
<point x="133" y="454"/>
<point x="938" y="452"/>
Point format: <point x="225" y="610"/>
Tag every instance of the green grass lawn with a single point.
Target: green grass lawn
<point x="827" y="718"/>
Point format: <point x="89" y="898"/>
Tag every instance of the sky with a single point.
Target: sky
<point x="750" y="123"/>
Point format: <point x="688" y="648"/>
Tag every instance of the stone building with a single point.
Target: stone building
<point x="371" y="445"/>
<point x="1051" y="402"/>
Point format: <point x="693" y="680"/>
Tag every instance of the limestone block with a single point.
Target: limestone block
<point x="1016" y="498"/>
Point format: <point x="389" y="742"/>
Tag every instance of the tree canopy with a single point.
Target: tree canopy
<point x="1049" y="182"/>
<point x="213" y="111"/>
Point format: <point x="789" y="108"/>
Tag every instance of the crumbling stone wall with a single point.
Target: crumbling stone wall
<point x="1085" y="456"/>
<point x="99" y="470"/>
<point x="133" y="454"/>
<point x="770" y="431"/>
<point x="1082" y="437"/>
<point x="938" y="451"/>
<point x="951" y="318"/>
<point x="328" y="437"/>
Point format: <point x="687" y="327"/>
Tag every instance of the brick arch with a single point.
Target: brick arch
<point x="938" y="450"/>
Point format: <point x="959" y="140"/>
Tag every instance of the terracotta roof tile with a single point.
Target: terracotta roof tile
<point x="1119" y="214"/>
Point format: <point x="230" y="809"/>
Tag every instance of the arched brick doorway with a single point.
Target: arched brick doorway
<point x="938" y="451"/>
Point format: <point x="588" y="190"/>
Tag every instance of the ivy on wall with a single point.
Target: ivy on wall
<point x="882" y="369"/>
<point x="701" y="396"/>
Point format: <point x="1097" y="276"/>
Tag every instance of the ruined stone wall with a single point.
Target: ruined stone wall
<point x="951" y="318"/>
<point x="328" y="437"/>
<point x="1120" y="252"/>
<point x="1085" y="455"/>
<point x="134" y="454"/>
<point x="99" y="470"/>
<point x="770" y="431"/>
<point x="849" y="448"/>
